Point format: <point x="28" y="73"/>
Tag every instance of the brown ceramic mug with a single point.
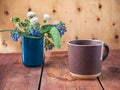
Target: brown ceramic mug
<point x="85" y="57"/>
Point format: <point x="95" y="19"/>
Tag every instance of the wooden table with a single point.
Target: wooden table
<point x="55" y="74"/>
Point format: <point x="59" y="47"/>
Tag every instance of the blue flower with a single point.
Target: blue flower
<point x="15" y="35"/>
<point x="36" y="27"/>
<point x="48" y="45"/>
<point x="62" y="32"/>
<point x="61" y="28"/>
<point x="35" y="32"/>
<point x="51" y="47"/>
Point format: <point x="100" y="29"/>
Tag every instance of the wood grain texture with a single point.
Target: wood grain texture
<point x="110" y="77"/>
<point x="85" y="19"/>
<point x="15" y="76"/>
<point x="56" y="75"/>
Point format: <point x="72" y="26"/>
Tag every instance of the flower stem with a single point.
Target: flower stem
<point x="5" y="30"/>
<point x="48" y="39"/>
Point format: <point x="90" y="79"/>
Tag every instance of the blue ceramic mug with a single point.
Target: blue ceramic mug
<point x="32" y="51"/>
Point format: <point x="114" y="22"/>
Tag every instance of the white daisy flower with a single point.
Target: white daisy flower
<point x="46" y="17"/>
<point x="31" y="14"/>
<point x="34" y="20"/>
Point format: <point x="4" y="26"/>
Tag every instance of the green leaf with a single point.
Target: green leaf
<point x="15" y="19"/>
<point x="55" y="37"/>
<point x="49" y="35"/>
<point x="20" y="24"/>
<point x="27" y="22"/>
<point x="46" y="28"/>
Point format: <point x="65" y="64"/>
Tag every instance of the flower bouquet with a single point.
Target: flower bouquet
<point x="36" y="36"/>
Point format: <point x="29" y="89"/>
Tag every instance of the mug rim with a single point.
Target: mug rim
<point x="101" y="42"/>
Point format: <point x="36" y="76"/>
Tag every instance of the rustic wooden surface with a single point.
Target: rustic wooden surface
<point x="56" y="74"/>
<point x="110" y="77"/>
<point x="15" y="76"/>
<point x="85" y="19"/>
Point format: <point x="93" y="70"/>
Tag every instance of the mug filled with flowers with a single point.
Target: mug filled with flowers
<point x="36" y="37"/>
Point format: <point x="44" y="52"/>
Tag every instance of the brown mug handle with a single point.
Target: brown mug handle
<point x="106" y="51"/>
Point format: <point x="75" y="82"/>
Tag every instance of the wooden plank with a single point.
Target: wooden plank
<point x="56" y="75"/>
<point x="15" y="76"/>
<point x="110" y="77"/>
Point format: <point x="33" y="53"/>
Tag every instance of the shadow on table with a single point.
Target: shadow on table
<point x="58" y="69"/>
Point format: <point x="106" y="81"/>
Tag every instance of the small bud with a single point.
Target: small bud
<point x="46" y="17"/>
<point x="31" y="14"/>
